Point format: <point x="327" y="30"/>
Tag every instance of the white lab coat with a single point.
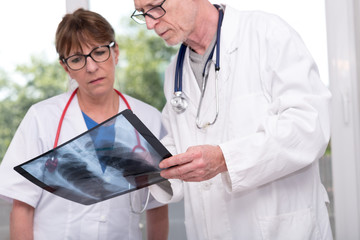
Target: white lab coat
<point x="55" y="217"/>
<point x="273" y="126"/>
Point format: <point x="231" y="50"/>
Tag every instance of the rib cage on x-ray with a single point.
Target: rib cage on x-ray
<point x="73" y="170"/>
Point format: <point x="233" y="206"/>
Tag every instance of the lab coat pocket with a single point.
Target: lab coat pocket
<point x="300" y="225"/>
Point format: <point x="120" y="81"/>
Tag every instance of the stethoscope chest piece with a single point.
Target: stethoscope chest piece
<point x="179" y="102"/>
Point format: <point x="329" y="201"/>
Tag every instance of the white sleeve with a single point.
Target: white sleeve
<point x="25" y="145"/>
<point x="296" y="129"/>
<point x="168" y="140"/>
<point x="169" y="191"/>
<point x="172" y="190"/>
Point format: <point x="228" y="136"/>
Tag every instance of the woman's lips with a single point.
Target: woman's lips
<point x="96" y="80"/>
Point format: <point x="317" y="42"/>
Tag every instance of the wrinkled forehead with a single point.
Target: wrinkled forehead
<point x="144" y="5"/>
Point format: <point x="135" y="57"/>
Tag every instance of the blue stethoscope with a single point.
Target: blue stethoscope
<point x="179" y="102"/>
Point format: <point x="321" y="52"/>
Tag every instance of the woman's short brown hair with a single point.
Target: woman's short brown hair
<point x="82" y="27"/>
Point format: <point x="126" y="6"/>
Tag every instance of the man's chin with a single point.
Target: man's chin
<point x="170" y="38"/>
<point x="171" y="42"/>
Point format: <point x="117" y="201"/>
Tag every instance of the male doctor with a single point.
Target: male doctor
<point x="248" y="132"/>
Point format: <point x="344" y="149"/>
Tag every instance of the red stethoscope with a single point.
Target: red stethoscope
<point x="51" y="163"/>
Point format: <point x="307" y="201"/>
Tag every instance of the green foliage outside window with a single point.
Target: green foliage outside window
<point x="143" y="58"/>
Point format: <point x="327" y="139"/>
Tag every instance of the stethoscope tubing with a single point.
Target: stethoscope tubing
<point x="67" y="106"/>
<point x="181" y="103"/>
<point x="179" y="67"/>
<point x="218" y="33"/>
<point x="62" y="118"/>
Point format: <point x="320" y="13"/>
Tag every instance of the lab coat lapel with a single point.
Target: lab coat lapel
<point x="208" y="108"/>
<point x="228" y="46"/>
<point x="189" y="85"/>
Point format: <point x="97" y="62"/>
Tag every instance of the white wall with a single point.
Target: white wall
<point x="72" y="5"/>
<point x="343" y="50"/>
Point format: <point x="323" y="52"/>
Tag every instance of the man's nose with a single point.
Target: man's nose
<point x="150" y="22"/>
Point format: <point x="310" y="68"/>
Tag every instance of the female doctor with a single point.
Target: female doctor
<point x="248" y="126"/>
<point x="86" y="45"/>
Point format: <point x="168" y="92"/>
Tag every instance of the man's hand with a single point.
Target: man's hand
<point x="197" y="164"/>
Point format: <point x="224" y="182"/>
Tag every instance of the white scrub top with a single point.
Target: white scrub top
<point x="273" y="126"/>
<point x="55" y="217"/>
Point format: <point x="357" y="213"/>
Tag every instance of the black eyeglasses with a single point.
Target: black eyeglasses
<point x="98" y="54"/>
<point x="154" y="13"/>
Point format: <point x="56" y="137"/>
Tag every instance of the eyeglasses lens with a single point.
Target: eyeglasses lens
<point x="154" y="13"/>
<point x="100" y="54"/>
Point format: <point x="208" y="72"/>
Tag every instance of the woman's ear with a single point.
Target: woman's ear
<point x="65" y="67"/>
<point x="117" y="53"/>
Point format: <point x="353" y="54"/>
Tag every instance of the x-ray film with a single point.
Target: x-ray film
<point x="117" y="156"/>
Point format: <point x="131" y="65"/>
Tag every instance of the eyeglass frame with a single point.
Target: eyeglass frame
<point x="65" y="60"/>
<point x="134" y="15"/>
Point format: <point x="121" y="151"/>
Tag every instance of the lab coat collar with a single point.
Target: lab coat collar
<point x="229" y="38"/>
<point x="73" y="124"/>
<point x="190" y="87"/>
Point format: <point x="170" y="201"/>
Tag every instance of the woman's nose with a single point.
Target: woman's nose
<point x="91" y="65"/>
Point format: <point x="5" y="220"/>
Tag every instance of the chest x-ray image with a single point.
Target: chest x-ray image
<point x="117" y="156"/>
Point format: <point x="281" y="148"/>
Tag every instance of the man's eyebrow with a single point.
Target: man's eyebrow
<point x="149" y="6"/>
<point x="139" y="9"/>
